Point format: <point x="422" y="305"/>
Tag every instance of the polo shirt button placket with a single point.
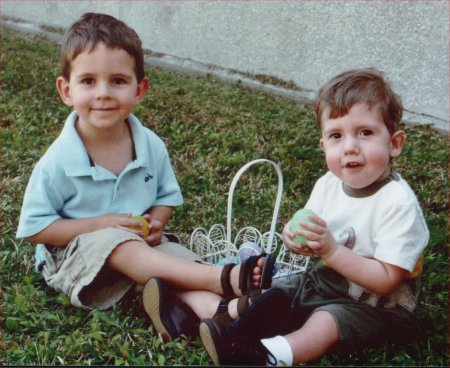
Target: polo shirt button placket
<point x="116" y="193"/>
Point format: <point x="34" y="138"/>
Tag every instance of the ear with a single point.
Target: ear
<point x="398" y="140"/>
<point x="322" y="145"/>
<point x="62" y="85"/>
<point x="142" y="88"/>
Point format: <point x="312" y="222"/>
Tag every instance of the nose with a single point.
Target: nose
<point x="351" y="145"/>
<point x="102" y="90"/>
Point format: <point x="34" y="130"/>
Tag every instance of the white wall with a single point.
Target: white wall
<point x="305" y="42"/>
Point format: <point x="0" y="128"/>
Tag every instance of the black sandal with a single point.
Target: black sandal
<point x="223" y="317"/>
<point x="246" y="273"/>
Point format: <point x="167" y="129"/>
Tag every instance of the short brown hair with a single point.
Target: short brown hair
<point x="93" y="28"/>
<point x="360" y="86"/>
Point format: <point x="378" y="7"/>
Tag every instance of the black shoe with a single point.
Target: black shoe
<point x="170" y="316"/>
<point x="238" y="342"/>
<point x="238" y="350"/>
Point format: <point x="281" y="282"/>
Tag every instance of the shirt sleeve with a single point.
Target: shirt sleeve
<point x="168" y="192"/>
<point x="41" y="203"/>
<point x="402" y="236"/>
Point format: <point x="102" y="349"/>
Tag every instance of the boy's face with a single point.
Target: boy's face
<point x="103" y="88"/>
<point x="358" y="146"/>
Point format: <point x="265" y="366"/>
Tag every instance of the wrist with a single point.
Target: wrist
<point x="101" y="222"/>
<point x="327" y="258"/>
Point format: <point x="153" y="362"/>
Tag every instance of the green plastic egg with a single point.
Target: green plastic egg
<point x="300" y="216"/>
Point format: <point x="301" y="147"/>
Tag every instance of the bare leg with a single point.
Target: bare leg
<point x="203" y="303"/>
<point x="140" y="262"/>
<point x="317" y="335"/>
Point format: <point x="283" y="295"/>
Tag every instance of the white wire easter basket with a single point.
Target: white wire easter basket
<point x="217" y="245"/>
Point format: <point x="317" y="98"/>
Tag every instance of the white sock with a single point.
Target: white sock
<point x="280" y="349"/>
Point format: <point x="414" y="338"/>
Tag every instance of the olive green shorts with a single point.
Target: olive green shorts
<point x="362" y="318"/>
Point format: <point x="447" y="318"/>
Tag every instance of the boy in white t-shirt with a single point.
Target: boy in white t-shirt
<point x="368" y="230"/>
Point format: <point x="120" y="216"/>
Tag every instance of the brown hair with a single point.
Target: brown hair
<point x="93" y="28"/>
<point x="359" y="86"/>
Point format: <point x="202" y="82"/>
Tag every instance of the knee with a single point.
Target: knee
<point x="123" y="251"/>
<point x="327" y="323"/>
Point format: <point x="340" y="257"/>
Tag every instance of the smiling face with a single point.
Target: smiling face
<point x="102" y="88"/>
<point x="358" y="146"/>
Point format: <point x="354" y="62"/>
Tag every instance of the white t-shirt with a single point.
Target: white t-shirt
<point x="386" y="224"/>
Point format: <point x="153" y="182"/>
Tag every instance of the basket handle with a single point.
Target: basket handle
<point x="277" y="200"/>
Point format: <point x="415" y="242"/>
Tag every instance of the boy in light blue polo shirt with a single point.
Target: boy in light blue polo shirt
<point x="105" y="167"/>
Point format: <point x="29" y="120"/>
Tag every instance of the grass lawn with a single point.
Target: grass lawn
<point x="211" y="130"/>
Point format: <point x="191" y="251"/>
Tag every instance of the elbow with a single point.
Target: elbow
<point x="389" y="284"/>
<point x="390" y="279"/>
<point x="33" y="239"/>
<point x="38" y="238"/>
<point x="387" y="288"/>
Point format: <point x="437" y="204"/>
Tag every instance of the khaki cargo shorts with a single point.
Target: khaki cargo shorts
<point x="80" y="271"/>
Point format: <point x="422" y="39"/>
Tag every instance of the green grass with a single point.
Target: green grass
<point x="211" y="130"/>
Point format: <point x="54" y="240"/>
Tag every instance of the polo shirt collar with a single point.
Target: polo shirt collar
<point x="140" y="142"/>
<point x="73" y="154"/>
<point x="75" y="158"/>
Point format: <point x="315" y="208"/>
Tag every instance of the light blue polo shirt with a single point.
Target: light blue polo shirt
<point x="65" y="183"/>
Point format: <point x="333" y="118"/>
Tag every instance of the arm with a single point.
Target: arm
<point x="61" y="232"/>
<point x="375" y="275"/>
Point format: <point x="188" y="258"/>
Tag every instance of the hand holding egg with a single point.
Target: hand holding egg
<point x="146" y="228"/>
<point x="300" y="216"/>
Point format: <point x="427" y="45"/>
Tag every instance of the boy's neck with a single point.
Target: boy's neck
<point x="371" y="189"/>
<point x="103" y="137"/>
<point x="111" y="150"/>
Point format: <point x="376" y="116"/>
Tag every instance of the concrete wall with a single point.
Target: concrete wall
<point x="305" y="42"/>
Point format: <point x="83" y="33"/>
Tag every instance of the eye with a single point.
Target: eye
<point x="335" y="136"/>
<point x="119" y="81"/>
<point x="366" y="132"/>
<point x="87" y="81"/>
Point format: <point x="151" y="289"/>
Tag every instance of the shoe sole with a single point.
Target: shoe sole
<point x="267" y="271"/>
<point x="207" y="335"/>
<point x="151" y="300"/>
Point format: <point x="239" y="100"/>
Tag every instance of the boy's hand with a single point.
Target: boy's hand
<point x="117" y="220"/>
<point x="121" y="221"/>
<point x="320" y="241"/>
<point x="126" y="222"/>
<point x="288" y="239"/>
<point x="156" y="231"/>
<point x="319" y="238"/>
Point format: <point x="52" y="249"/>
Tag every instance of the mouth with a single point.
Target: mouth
<point x="103" y="109"/>
<point x="352" y="165"/>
